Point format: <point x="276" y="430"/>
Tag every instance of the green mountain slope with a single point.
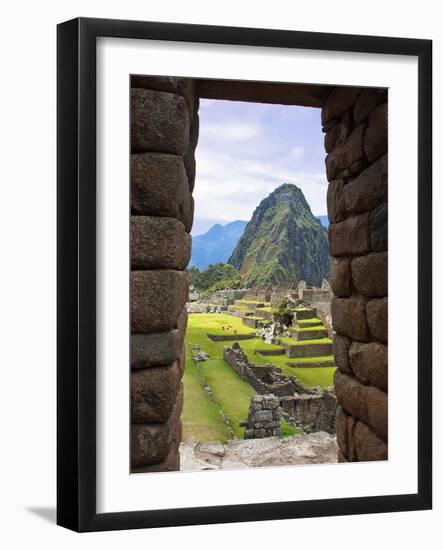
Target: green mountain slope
<point x="283" y="243"/>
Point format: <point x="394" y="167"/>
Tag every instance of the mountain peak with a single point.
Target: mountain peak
<point x="216" y="245"/>
<point x="283" y="243"/>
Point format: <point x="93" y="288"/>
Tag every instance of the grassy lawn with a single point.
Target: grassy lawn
<point x="292" y="342"/>
<point x="231" y="392"/>
<point x="201" y="418"/>
<point x="307" y="329"/>
<point x="317" y="376"/>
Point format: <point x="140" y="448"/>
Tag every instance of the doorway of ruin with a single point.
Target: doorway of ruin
<point x="164" y="135"/>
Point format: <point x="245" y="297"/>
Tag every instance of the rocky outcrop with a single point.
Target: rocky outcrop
<point x="283" y="242"/>
<point x="315" y="448"/>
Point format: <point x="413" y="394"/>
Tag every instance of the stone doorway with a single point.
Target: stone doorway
<point x="164" y="135"/>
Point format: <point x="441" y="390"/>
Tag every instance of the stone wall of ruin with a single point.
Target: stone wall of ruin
<point x="263" y="417"/>
<point x="164" y="133"/>
<point x="315" y="411"/>
<point x="355" y="126"/>
<point x="266" y="379"/>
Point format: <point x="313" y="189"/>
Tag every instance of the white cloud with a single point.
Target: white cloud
<point x="229" y="188"/>
<point x="233" y="130"/>
<point x="298" y="152"/>
<point x="245" y="152"/>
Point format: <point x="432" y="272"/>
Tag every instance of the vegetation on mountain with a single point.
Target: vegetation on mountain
<point x="216" y="245"/>
<point x="216" y="277"/>
<point x="283" y="243"/>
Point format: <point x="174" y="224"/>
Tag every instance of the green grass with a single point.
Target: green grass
<point x="218" y="323"/>
<point x="201" y="418"/>
<point x="231" y="392"/>
<point x="246" y="302"/>
<point x="312" y="320"/>
<point x="317" y="376"/>
<point x="292" y="342"/>
<point x="303" y="360"/>
<point x="287" y="429"/>
<point x="259" y="318"/>
<point x="307" y="329"/>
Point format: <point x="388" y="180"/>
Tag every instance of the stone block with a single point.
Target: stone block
<point x="170" y="464"/>
<point x="367" y="101"/>
<point x="349" y="317"/>
<point x="335" y="201"/>
<point x="176" y="85"/>
<point x="369" y="363"/>
<point x="182" y="359"/>
<point x="157" y="299"/>
<point x="341" y="423"/>
<point x="195" y="128"/>
<point x="341" y="277"/>
<point x="159" y="187"/>
<point x="377" y="315"/>
<point x="351" y="443"/>
<point x="340" y="348"/>
<point x="353" y="170"/>
<point x="158" y="242"/>
<point x="155" y="349"/>
<point x="341" y="457"/>
<point x="340" y="99"/>
<point x="150" y="443"/>
<point x="378" y="228"/>
<point x="376" y="135"/>
<point x="159" y="122"/>
<point x="368" y="445"/>
<point x="349" y="236"/>
<point x="190" y="168"/>
<point x="346" y="153"/>
<point x="338" y="133"/>
<point x="182" y="323"/>
<point x="264" y="415"/>
<point x="368" y="189"/>
<point x="370" y="274"/>
<point x="153" y="393"/>
<point x="377" y="403"/>
<point x="351" y="395"/>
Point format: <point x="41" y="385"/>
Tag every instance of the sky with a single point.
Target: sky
<point x="246" y="150"/>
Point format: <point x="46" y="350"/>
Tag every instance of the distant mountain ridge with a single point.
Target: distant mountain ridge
<point x="283" y="243"/>
<point x="216" y="245"/>
<point x="324" y="220"/>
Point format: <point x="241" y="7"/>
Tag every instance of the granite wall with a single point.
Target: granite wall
<point x="164" y="133"/>
<point x="355" y="125"/>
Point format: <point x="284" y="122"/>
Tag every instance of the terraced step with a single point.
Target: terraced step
<point x="230" y="336"/>
<point x="307" y="348"/>
<point x="313" y="362"/>
<point x="264" y="312"/>
<point x="308" y="333"/>
<point x="305" y="313"/>
<point x="270" y="352"/>
<point x="250" y="304"/>
<point x="239" y="311"/>
<point x="307" y="323"/>
<point x="253" y="321"/>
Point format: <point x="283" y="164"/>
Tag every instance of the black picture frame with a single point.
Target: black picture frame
<point x="76" y="265"/>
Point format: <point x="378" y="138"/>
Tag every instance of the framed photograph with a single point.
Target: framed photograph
<point x="225" y="198"/>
